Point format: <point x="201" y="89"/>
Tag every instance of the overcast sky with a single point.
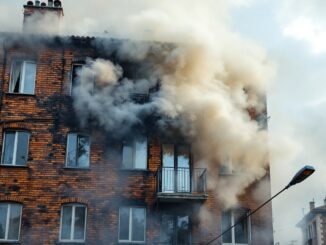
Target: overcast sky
<point x="293" y="33"/>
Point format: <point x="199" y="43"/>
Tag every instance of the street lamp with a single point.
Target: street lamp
<point x="300" y="176"/>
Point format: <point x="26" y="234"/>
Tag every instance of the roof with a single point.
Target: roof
<point x="309" y="216"/>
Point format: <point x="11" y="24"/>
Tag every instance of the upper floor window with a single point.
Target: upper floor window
<point x="226" y="167"/>
<point x="240" y="234"/>
<point x="134" y="154"/>
<point x="132" y="224"/>
<point x="73" y="223"/>
<point x="78" y="150"/>
<point x="10" y="219"/>
<point x="15" y="148"/>
<point x="22" y="78"/>
<point x="76" y="68"/>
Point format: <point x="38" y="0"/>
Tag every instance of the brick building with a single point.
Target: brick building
<point x="313" y="225"/>
<point x="63" y="184"/>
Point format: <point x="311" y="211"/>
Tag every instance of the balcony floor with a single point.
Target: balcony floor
<point x="180" y="197"/>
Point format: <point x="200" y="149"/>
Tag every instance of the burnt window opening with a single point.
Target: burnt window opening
<point x="10" y="221"/>
<point x="78" y="151"/>
<point x="134" y="153"/>
<point x="262" y="121"/>
<point x="176" y="229"/>
<point x="22" y="77"/>
<point x="176" y="171"/>
<point x="73" y="223"/>
<point x="75" y="71"/>
<point x="132" y="224"/>
<point x="15" y="148"/>
<point x="240" y="234"/>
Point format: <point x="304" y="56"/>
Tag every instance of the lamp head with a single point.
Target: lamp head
<point x="301" y="175"/>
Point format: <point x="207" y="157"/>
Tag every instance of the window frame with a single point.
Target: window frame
<point x="14" y="164"/>
<point x="67" y="150"/>
<point x="8" y="220"/>
<point x="74" y="64"/>
<point x="130" y="208"/>
<point x="132" y="143"/>
<point x="233" y="229"/>
<point x="22" y="76"/>
<point x="72" y="225"/>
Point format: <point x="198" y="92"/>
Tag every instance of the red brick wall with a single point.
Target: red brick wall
<point x="44" y="184"/>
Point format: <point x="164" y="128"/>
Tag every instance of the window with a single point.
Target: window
<point x="76" y="68"/>
<point x="73" y="223"/>
<point x="176" y="229"/>
<point x="78" y="149"/>
<point x="226" y="167"/>
<point x="134" y="154"/>
<point x="23" y="75"/>
<point x="15" y="148"/>
<point x="10" y="219"/>
<point x="132" y="224"/>
<point x="240" y="234"/>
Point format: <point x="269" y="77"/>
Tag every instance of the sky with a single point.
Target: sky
<point x="293" y="34"/>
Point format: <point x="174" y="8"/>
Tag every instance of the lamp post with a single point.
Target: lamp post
<point x="300" y="176"/>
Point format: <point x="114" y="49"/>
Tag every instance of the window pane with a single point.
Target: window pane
<point x="3" y="219"/>
<point x="66" y="222"/>
<point x="138" y="224"/>
<point x="183" y="230"/>
<point x="141" y="154"/>
<point x="80" y="213"/>
<point x="71" y="150"/>
<point x="8" y="148"/>
<point x="22" y="148"/>
<point x="124" y="224"/>
<point x="241" y="230"/>
<point x="127" y="156"/>
<point x="183" y="157"/>
<point x="29" y="79"/>
<point x="226" y="223"/>
<point x="168" y="155"/>
<point x="15" y="77"/>
<point x="14" y="222"/>
<point x="83" y="151"/>
<point x="167" y="228"/>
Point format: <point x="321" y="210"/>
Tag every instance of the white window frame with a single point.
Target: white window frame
<point x="133" y="146"/>
<point x="15" y="148"/>
<point x="22" y="82"/>
<point x="72" y="225"/>
<point x="67" y="151"/>
<point x="233" y="231"/>
<point x="8" y="220"/>
<point x="130" y="226"/>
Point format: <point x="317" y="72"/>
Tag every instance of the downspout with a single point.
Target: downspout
<point x="4" y="63"/>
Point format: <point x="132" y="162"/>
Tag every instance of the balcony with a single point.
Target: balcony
<point x="181" y="184"/>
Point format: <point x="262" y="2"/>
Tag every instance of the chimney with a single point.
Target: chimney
<point x="42" y="18"/>
<point x="312" y="205"/>
<point x="325" y="201"/>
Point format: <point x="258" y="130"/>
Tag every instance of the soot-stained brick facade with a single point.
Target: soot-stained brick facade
<point x="44" y="183"/>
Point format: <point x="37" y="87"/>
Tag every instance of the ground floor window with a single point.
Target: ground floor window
<point x="176" y="229"/>
<point x="132" y="224"/>
<point x="10" y="219"/>
<point x="240" y="234"/>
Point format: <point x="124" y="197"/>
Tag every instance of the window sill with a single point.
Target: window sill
<point x="127" y="243"/>
<point x="133" y="170"/>
<point x="9" y="242"/>
<point x="13" y="166"/>
<point x="76" y="168"/>
<point x="70" y="243"/>
<point x="19" y="94"/>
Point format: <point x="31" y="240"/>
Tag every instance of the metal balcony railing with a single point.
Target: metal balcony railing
<point x="181" y="180"/>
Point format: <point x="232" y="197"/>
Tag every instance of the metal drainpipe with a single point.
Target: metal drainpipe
<point x="4" y="63"/>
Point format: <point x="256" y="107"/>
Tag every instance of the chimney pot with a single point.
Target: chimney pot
<point x="30" y="3"/>
<point x="50" y="3"/>
<point x="57" y="3"/>
<point x="43" y="4"/>
<point x="37" y="3"/>
<point x="312" y="205"/>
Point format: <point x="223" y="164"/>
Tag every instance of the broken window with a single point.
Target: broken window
<point x="240" y="234"/>
<point x="23" y="74"/>
<point x="15" y="148"/>
<point x="73" y="223"/>
<point x="176" y="229"/>
<point x="132" y="224"/>
<point x="134" y="154"/>
<point x="78" y="151"/>
<point x="76" y="68"/>
<point x="10" y="219"/>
